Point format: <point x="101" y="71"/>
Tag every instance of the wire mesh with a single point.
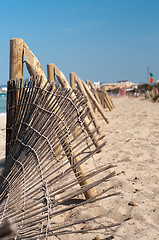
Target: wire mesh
<point x="44" y="158"/>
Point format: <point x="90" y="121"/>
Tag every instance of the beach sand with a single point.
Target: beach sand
<point x="132" y="138"/>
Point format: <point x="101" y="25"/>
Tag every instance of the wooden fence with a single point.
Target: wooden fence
<point x="49" y="137"/>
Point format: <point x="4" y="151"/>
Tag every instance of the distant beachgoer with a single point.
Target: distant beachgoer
<point x="136" y="93"/>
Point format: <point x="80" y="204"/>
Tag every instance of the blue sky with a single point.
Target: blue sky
<point x="100" y="40"/>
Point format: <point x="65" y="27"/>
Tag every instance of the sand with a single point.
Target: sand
<point x="133" y="144"/>
<point x="132" y="138"/>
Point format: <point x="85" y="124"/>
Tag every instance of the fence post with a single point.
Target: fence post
<point x="16" y="58"/>
<point x="51" y="72"/>
<point x="15" y="73"/>
<point x="100" y="109"/>
<point x="33" y="65"/>
<point x="93" y="115"/>
<point x="72" y="80"/>
<point x="16" y="63"/>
